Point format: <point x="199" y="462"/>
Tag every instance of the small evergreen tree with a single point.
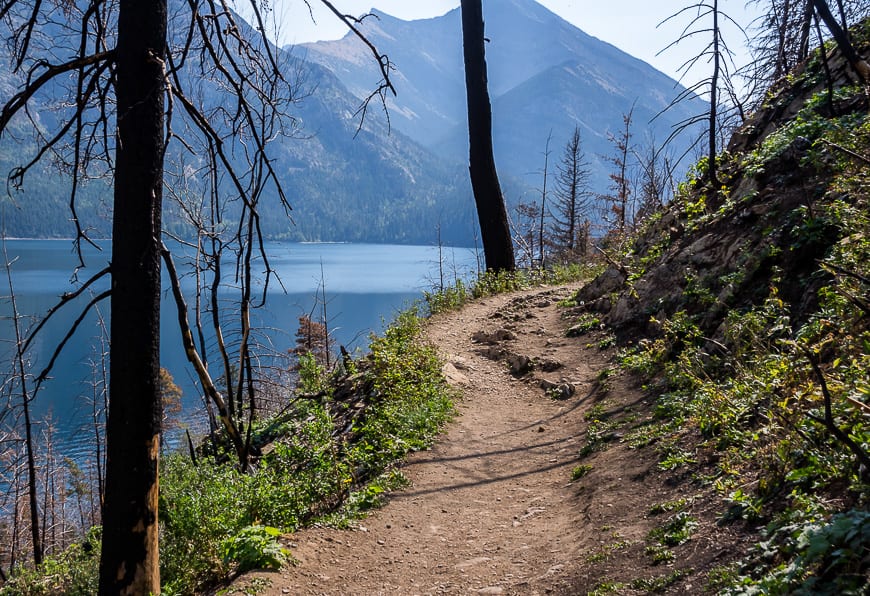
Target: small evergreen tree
<point x="569" y="210"/>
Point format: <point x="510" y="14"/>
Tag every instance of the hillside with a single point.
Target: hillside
<point x="694" y="420"/>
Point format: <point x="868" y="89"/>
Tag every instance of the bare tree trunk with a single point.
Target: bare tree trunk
<point x="781" y="66"/>
<point x="841" y="37"/>
<point x="28" y="423"/>
<point x="494" y="229"/>
<point x="544" y="201"/>
<point x="712" y="177"/>
<point x="623" y="169"/>
<point x="211" y="391"/>
<point x="806" y="27"/>
<point x="129" y="560"/>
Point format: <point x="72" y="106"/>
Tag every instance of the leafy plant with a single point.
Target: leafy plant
<point x="675" y="531"/>
<point x="660" y="554"/>
<point x="669" y="506"/>
<point x="580" y="471"/>
<point x="255" y="547"/>
<point x="73" y="572"/>
<point x="604" y="553"/>
<point x="660" y="583"/>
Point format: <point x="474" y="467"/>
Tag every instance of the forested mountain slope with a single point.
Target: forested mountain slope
<point x="545" y="75"/>
<point x="396" y="181"/>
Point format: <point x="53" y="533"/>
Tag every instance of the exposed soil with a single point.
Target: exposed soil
<point x="492" y="508"/>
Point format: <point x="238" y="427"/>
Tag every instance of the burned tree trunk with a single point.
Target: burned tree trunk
<point x="491" y="212"/>
<point x="129" y="560"/>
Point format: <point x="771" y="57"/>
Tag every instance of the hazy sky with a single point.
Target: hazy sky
<point x="628" y="24"/>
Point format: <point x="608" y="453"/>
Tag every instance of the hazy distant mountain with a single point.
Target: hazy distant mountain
<point x="397" y="183"/>
<point x="544" y="74"/>
<point x="344" y="184"/>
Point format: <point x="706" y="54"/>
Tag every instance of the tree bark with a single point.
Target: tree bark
<point x="842" y="38"/>
<point x="492" y="215"/>
<point x="129" y="560"/>
<point x="712" y="177"/>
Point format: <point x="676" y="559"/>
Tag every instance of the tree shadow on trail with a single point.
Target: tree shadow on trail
<point x="486" y="467"/>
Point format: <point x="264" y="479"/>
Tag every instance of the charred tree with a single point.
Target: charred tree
<point x="123" y="92"/>
<point x="491" y="212"/>
<point x="842" y="38"/>
<point x="569" y="210"/>
<point x="129" y="561"/>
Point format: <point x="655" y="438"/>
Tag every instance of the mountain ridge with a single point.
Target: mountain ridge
<point x="430" y="106"/>
<point x="396" y="177"/>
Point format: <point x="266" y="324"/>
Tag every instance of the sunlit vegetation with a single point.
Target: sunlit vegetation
<point x="491" y="283"/>
<point x="216" y="520"/>
<point x="767" y="405"/>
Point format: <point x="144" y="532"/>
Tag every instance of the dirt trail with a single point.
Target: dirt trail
<point x="491" y="508"/>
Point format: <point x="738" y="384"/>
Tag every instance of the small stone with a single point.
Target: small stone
<point x="549" y="365"/>
<point x="520" y="365"/>
<point x="496" y="336"/>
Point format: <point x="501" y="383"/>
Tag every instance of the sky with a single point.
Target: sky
<point x="630" y="25"/>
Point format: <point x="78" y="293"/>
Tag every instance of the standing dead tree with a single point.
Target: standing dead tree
<point x="491" y="212"/>
<point x="543" y="210"/>
<point x="569" y="210"/>
<point x="616" y="204"/>
<point x="841" y="37"/>
<point x="20" y="379"/>
<point x="655" y="179"/>
<point x="781" y="37"/>
<point x="706" y="19"/>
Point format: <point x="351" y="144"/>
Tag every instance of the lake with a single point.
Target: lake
<point x="365" y="286"/>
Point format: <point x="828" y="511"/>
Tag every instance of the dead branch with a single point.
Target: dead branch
<point x="70" y="332"/>
<point x="828" y="421"/>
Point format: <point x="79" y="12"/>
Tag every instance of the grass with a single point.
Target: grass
<point x="491" y="283"/>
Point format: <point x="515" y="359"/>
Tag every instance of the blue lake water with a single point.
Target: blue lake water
<point x="365" y="286"/>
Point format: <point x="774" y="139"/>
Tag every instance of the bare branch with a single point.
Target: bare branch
<point x="60" y="346"/>
<point x="20" y="99"/>
<point x="64" y="300"/>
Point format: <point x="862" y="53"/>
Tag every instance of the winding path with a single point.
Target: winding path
<point x="491" y="508"/>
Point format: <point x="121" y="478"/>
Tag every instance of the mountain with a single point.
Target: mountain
<point x="343" y="183"/>
<point x="545" y="75"/>
<point x="396" y="180"/>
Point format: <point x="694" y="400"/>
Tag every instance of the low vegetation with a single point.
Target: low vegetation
<point x="759" y="363"/>
<point x="216" y="521"/>
<point x="490" y="283"/>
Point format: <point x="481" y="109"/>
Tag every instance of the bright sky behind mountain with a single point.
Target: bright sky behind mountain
<point x="630" y="25"/>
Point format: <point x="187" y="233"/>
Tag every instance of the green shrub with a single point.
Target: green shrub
<point x="74" y="572"/>
<point x="254" y="547"/>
